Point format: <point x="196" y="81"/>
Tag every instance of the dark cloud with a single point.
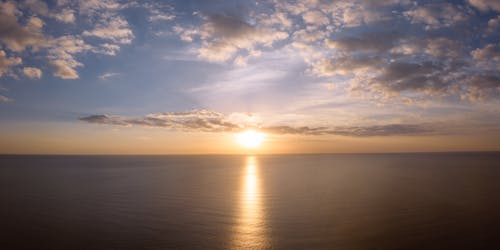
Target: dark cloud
<point x="482" y="87"/>
<point x="229" y="26"/>
<point x="197" y="120"/>
<point x="356" y="131"/>
<point x="397" y="71"/>
<point x="377" y="42"/>
<point x="209" y="121"/>
<point x="426" y="76"/>
<point x="346" y="65"/>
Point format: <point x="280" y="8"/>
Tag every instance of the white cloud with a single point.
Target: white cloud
<point x="159" y="12"/>
<point x="315" y="17"/>
<point x="107" y="75"/>
<point x="114" y="28"/>
<point x="65" y="69"/>
<point x="95" y="7"/>
<point x="7" y="62"/>
<point x="61" y="55"/>
<point x="310" y="35"/>
<point x="278" y="18"/>
<point x="66" y="16"/>
<point x="437" y="15"/>
<point x="432" y="46"/>
<point x="488" y="57"/>
<point x="485" y="5"/>
<point x="107" y="49"/>
<point x="33" y="73"/>
<point x="223" y="36"/>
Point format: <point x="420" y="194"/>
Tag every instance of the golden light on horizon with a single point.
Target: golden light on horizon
<point x="250" y="138"/>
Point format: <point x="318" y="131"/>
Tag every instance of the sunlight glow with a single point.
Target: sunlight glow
<point x="251" y="228"/>
<point x="250" y="138"/>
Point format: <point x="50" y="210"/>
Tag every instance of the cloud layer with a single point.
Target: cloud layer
<point x="101" y="29"/>
<point x="209" y="121"/>
<point x="383" y="50"/>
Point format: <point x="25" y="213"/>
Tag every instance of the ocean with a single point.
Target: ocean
<point x="324" y="201"/>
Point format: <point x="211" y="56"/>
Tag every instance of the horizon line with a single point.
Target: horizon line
<point x="263" y="154"/>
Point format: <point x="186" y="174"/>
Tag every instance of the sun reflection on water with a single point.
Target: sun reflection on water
<point x="250" y="226"/>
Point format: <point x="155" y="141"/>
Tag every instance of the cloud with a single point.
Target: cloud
<point x="412" y="59"/>
<point x="357" y="131"/>
<point x="107" y="75"/>
<point x="432" y="46"/>
<point x="437" y="15"/>
<point x="66" y="16"/>
<point x="489" y="52"/>
<point x="17" y="37"/>
<point x="402" y="76"/>
<point x="488" y="57"/>
<point x="61" y="55"/>
<point x="107" y="49"/>
<point x="33" y="73"/>
<point x="345" y="65"/>
<point x="309" y="35"/>
<point x="482" y="87"/>
<point x="22" y="33"/>
<point x="375" y="42"/>
<point x="354" y="14"/>
<point x="223" y="36"/>
<point x="38" y="7"/>
<point x="65" y="69"/>
<point x="209" y="121"/>
<point x="7" y="62"/>
<point x="159" y="12"/>
<point x="113" y="28"/>
<point x="96" y="7"/>
<point x="315" y="17"/>
<point x="493" y="25"/>
<point x="485" y="5"/>
<point x="379" y="3"/>
<point x="5" y="99"/>
<point x="278" y="18"/>
<point x="197" y="120"/>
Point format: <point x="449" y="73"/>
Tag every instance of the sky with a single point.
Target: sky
<point x="183" y="77"/>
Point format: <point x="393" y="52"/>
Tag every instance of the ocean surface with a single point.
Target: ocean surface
<point x="338" y="201"/>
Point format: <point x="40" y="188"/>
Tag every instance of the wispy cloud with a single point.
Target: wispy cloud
<point x="5" y="99"/>
<point x="209" y="121"/>
<point x="107" y="75"/>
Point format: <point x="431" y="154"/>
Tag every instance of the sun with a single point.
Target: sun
<point x="250" y="138"/>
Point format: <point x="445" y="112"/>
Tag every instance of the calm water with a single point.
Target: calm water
<point x="390" y="201"/>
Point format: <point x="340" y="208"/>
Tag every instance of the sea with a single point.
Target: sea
<point x="311" y="201"/>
